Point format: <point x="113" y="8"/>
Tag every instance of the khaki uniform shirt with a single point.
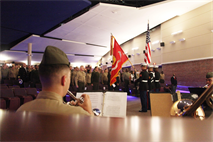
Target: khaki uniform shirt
<point x="4" y="73"/>
<point x="88" y="77"/>
<point x="126" y="76"/>
<point x="162" y="76"/>
<point x="104" y="77"/>
<point x="12" y="73"/>
<point x="81" y="77"/>
<point x="73" y="75"/>
<point x="50" y="102"/>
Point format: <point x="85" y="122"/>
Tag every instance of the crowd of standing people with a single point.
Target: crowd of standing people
<point x="28" y="74"/>
<point x="144" y="82"/>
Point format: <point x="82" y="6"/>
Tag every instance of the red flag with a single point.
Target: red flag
<point x="119" y="58"/>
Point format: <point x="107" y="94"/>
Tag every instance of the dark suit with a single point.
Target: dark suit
<point x="95" y="80"/>
<point x="143" y="87"/>
<point x="23" y="75"/>
<point x="151" y="84"/>
<point x="157" y="82"/>
<point x="174" y="83"/>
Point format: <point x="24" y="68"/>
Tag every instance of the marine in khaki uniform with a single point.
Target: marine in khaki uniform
<point x="127" y="79"/>
<point x="104" y="77"/>
<point x="88" y="77"/>
<point x="73" y="75"/>
<point x="80" y="79"/>
<point x="54" y="73"/>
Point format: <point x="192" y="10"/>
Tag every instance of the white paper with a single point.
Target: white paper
<point x="115" y="104"/>
<point x="95" y="97"/>
<point x="111" y="104"/>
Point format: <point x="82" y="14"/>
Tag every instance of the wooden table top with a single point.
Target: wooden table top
<point x="28" y="126"/>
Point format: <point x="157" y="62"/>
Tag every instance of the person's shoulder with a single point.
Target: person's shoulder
<point x="67" y="109"/>
<point x="26" y="106"/>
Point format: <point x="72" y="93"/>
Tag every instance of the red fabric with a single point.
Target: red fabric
<point x="119" y="58"/>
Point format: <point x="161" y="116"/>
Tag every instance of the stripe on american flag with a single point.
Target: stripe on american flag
<point x="147" y="58"/>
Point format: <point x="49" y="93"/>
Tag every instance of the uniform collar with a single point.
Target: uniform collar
<point x="49" y="95"/>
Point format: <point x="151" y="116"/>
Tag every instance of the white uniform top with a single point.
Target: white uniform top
<point x="50" y="102"/>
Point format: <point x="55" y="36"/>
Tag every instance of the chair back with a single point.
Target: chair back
<point x="3" y="87"/>
<point x="7" y="92"/>
<point x="32" y="91"/>
<point x="20" y="91"/>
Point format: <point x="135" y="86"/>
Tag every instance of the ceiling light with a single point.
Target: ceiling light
<point x="159" y="48"/>
<point x="73" y="41"/>
<point x="182" y="39"/>
<point x="212" y="31"/>
<point x="136" y="48"/>
<point x="126" y="52"/>
<point x="172" y="42"/>
<point x="70" y="54"/>
<point x="36" y="35"/>
<point x="138" y="53"/>
<point x="155" y="42"/>
<point x="177" y="32"/>
<point x="153" y="50"/>
<point x="4" y="57"/>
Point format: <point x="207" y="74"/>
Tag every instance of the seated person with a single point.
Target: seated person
<point x="54" y="74"/>
<point x="209" y="79"/>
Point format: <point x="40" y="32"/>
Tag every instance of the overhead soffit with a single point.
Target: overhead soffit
<point x="96" y="26"/>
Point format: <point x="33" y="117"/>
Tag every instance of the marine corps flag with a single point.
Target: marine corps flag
<point x="119" y="58"/>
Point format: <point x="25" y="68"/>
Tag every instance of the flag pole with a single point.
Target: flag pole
<point x="131" y="64"/>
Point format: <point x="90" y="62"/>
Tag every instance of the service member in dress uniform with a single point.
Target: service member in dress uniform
<point x="80" y="79"/>
<point x="151" y="82"/>
<point x="157" y="79"/>
<point x="54" y="74"/>
<point x="143" y="87"/>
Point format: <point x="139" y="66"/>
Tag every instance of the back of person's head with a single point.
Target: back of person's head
<point x="46" y="72"/>
<point x="161" y="72"/>
<point x="54" y="65"/>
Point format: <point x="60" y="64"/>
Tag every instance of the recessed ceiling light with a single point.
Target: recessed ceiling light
<point x="182" y="39"/>
<point x="172" y="42"/>
<point x="177" y="32"/>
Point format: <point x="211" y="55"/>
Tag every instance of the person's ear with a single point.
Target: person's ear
<point x="63" y="80"/>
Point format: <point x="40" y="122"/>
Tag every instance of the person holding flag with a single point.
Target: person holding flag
<point x="143" y="87"/>
<point x="144" y="75"/>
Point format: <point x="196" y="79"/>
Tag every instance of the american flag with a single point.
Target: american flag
<point x="147" y="58"/>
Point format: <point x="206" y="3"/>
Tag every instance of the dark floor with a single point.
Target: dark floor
<point x="134" y="105"/>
